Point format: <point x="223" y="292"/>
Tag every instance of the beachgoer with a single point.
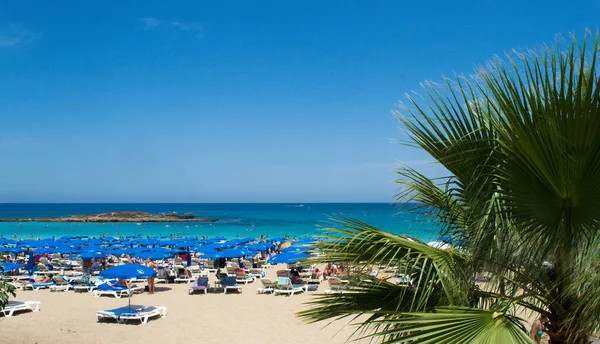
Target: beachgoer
<point x="295" y="277"/>
<point x="123" y="283"/>
<point x="537" y="329"/>
<point x="96" y="265"/>
<point x="316" y="274"/>
<point x="330" y="270"/>
<point x="45" y="279"/>
<point x="151" y="279"/>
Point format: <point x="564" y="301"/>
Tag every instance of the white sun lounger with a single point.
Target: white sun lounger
<point x="257" y="273"/>
<point x="245" y="279"/>
<point x="144" y="314"/>
<point x="286" y="287"/>
<point x="17" y="306"/>
<point x="117" y="312"/>
<point x="84" y="288"/>
<point x="231" y="284"/>
<point x="117" y="292"/>
<point x="184" y="280"/>
<point x="37" y="286"/>
<point x="336" y="286"/>
<point x="267" y="286"/>
<point x="60" y="287"/>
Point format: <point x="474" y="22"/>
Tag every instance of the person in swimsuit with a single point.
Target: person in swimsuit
<point x="151" y="264"/>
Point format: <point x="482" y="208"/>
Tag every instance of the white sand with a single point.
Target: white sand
<point x="68" y="317"/>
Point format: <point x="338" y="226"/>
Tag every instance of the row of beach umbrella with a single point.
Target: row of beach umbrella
<point x="144" y="248"/>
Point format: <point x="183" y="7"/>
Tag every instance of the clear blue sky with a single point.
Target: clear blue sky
<point x="234" y="101"/>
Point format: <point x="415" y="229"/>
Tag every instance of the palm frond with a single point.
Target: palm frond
<point x="445" y="274"/>
<point x="456" y="325"/>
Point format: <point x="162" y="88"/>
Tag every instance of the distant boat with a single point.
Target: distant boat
<point x="167" y="226"/>
<point x="138" y="223"/>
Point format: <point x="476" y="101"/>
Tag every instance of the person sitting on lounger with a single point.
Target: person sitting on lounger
<point x="316" y="274"/>
<point x="295" y="277"/>
<point x="122" y="283"/>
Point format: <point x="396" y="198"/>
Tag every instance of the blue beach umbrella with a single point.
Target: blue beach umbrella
<point x="4" y="241"/>
<point x="128" y="271"/>
<point x="234" y="253"/>
<point x="7" y="267"/>
<point x="14" y="250"/>
<point x="43" y="250"/>
<point x="294" y="249"/>
<point x="92" y="255"/>
<point x="203" y="249"/>
<point x="154" y="254"/>
<point x="288" y="258"/>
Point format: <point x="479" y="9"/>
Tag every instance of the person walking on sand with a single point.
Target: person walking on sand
<point x="150" y="263"/>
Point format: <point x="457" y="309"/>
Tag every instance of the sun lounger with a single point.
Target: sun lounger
<point x="286" y="287"/>
<point x="267" y="286"/>
<point x="132" y="312"/>
<point x="336" y="286"/>
<point x="18" y="306"/>
<point x="60" y="287"/>
<point x="107" y="289"/>
<point x="83" y="285"/>
<point x="37" y="286"/>
<point x="241" y="277"/>
<point x="257" y="273"/>
<point x="60" y="284"/>
<point x="144" y="314"/>
<point x="182" y="277"/>
<point x="231" y="284"/>
<point x="404" y="280"/>
<point x="116" y="312"/>
<point x="82" y="288"/>
<point x="201" y="284"/>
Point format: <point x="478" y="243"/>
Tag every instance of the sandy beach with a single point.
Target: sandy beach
<point x="68" y="317"/>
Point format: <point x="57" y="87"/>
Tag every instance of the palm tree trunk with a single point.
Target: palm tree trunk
<point x="564" y="259"/>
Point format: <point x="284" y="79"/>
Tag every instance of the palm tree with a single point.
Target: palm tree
<point x="521" y="143"/>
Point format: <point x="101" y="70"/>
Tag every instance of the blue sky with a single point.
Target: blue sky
<point x="235" y="101"/>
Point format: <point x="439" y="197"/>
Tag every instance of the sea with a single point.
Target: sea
<point x="234" y="219"/>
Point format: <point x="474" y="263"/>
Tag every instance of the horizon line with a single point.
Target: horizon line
<point x="312" y="202"/>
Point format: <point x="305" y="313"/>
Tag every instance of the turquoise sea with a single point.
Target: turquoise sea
<point x="249" y="219"/>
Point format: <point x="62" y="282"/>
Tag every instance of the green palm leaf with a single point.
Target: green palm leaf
<point x="456" y="325"/>
<point x="445" y="274"/>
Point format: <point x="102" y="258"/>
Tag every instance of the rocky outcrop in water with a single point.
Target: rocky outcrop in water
<point x="119" y="216"/>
